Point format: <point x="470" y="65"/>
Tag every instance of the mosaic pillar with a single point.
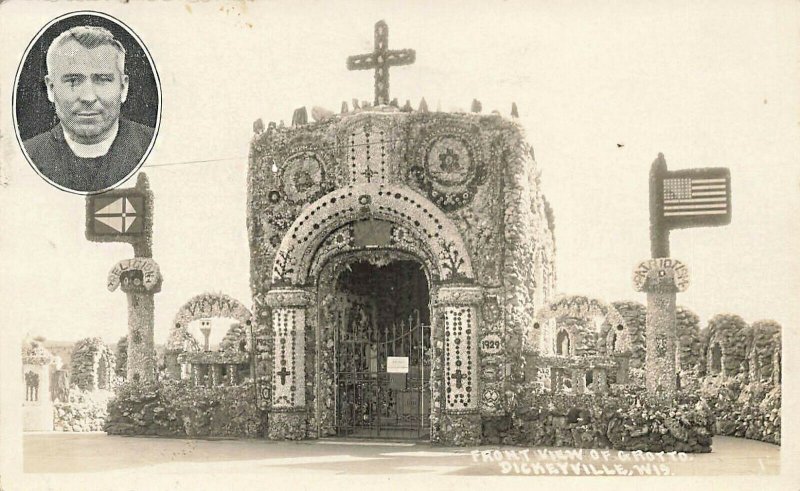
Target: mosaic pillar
<point x="141" y="345"/>
<point x="600" y="380"/>
<point x="461" y="421"/>
<point x="287" y="419"/>
<point x="139" y="278"/>
<point x="578" y="380"/>
<point x="555" y="379"/>
<point x="661" y="279"/>
<point x="232" y="374"/>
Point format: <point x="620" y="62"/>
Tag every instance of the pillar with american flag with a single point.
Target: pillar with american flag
<point x="686" y="198"/>
<point x="678" y="199"/>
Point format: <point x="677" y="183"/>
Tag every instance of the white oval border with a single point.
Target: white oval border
<point x="158" y="87"/>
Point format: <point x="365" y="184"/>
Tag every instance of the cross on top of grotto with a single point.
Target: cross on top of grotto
<point x="381" y="59"/>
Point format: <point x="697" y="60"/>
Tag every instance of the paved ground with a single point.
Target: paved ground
<point x="57" y="458"/>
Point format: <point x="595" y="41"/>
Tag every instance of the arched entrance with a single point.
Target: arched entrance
<point x="366" y="278"/>
<point x="378" y="311"/>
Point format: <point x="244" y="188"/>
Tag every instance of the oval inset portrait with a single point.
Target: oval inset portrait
<point x="87" y="102"/>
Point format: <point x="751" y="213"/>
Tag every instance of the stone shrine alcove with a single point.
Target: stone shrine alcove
<point x="563" y="343"/>
<point x="715" y="359"/>
<point x="206" y="321"/>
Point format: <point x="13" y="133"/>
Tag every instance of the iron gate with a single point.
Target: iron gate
<point x="371" y="402"/>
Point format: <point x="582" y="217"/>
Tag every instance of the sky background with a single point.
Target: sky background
<point x="707" y="83"/>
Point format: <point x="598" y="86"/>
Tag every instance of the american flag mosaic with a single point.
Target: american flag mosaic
<point x="687" y="197"/>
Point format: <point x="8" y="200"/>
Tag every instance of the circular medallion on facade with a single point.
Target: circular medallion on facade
<point x="449" y="161"/>
<point x="450" y="166"/>
<point x="302" y="177"/>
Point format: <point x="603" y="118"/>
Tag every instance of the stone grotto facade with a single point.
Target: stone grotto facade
<point x="188" y="358"/>
<point x="386" y="220"/>
<point x="402" y="269"/>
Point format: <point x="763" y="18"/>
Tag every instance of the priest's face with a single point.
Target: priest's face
<point x="87" y="88"/>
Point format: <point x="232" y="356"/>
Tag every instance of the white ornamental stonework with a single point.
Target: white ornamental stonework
<point x="460" y="347"/>
<point x="288" y="356"/>
<point x="37" y="406"/>
<point x="288" y="375"/>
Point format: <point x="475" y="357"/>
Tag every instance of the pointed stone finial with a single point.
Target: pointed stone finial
<point x="423" y="106"/>
<point x="300" y="116"/>
<point x="258" y="126"/>
<point x="345" y="109"/>
<point x="476" y="106"/>
<point x="514" y="112"/>
<point x="407" y="107"/>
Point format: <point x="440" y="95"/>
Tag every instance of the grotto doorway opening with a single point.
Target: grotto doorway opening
<point x="381" y="357"/>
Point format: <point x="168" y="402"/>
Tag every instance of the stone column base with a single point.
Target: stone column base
<point x="287" y="425"/>
<point x="460" y="430"/>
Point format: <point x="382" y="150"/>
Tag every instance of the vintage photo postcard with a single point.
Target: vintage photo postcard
<point x="260" y="244"/>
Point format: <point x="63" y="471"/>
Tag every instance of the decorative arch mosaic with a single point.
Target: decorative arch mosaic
<point x="394" y="204"/>
<point x="200" y="307"/>
<point x="400" y="238"/>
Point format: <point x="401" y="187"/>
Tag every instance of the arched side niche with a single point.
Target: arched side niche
<point x="200" y="307"/>
<point x="563" y="343"/>
<point x="392" y="204"/>
<point x="715" y="358"/>
<point x="583" y="317"/>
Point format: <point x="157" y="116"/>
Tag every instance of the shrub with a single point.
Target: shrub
<point x="175" y="408"/>
<point x="84" y="411"/>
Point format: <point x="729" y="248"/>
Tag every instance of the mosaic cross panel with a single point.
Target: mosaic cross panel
<point x="288" y="373"/>
<point x="368" y="154"/>
<point x="460" y="356"/>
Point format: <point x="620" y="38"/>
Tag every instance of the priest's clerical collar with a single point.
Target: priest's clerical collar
<point x="92" y="150"/>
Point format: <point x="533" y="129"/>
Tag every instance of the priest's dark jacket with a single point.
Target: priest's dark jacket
<point x="51" y="154"/>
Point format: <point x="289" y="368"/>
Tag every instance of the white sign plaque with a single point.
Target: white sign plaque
<point x="397" y="364"/>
